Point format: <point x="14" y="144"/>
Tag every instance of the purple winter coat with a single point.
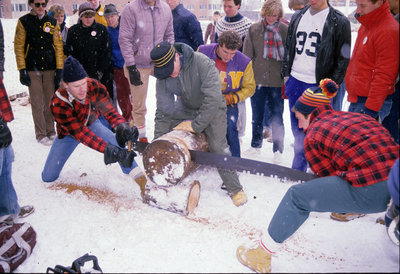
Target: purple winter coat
<point x="141" y="28"/>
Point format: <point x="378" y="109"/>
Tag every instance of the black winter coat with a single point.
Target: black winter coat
<point x="334" y="52"/>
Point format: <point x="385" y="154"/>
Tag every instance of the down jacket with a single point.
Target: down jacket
<point x="141" y="28"/>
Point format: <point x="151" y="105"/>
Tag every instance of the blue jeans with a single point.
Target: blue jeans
<point x="8" y="196"/>
<point x="63" y="148"/>
<point x="360" y="105"/>
<point x="266" y="121"/>
<point x="325" y="194"/>
<point x="273" y="97"/>
<point x="293" y="90"/>
<point x="337" y="101"/>
<point x="391" y="122"/>
<point x="232" y="134"/>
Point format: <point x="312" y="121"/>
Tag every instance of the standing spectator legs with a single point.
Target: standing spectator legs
<point x="293" y="90"/>
<point x="232" y="135"/>
<point x="275" y="108"/>
<point x="41" y="91"/>
<point x="123" y="93"/>
<point x="258" y="110"/>
<point x="391" y="122"/>
<point x="8" y="200"/>
<point x="337" y="101"/>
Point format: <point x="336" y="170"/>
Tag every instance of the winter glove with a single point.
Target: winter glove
<point x="185" y="125"/>
<point x="24" y="77"/>
<point x="134" y="76"/>
<point x="231" y="98"/>
<point x="124" y="133"/>
<point x="57" y="78"/>
<point x="5" y="134"/>
<point x="283" y="92"/>
<point x="114" y="154"/>
<point x="372" y="113"/>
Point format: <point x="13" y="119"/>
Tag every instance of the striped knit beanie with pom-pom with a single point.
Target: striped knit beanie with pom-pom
<point x="316" y="96"/>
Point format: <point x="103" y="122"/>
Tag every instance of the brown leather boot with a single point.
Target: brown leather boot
<point x="141" y="181"/>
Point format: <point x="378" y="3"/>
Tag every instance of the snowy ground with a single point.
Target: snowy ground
<point x="96" y="209"/>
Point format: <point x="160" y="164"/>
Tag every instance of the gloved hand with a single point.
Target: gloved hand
<point x="372" y="113"/>
<point x="231" y="98"/>
<point x="57" y="78"/>
<point x="124" y="133"/>
<point x="185" y="125"/>
<point x="114" y="154"/>
<point x="283" y="92"/>
<point x="134" y="76"/>
<point x="5" y="134"/>
<point x="24" y="77"/>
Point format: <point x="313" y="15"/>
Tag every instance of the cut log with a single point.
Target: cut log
<point x="167" y="159"/>
<point x="182" y="198"/>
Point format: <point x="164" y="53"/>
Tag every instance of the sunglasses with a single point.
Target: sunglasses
<point x="40" y="4"/>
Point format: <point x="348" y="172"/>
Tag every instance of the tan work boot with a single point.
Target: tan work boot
<point x="239" y="198"/>
<point x="345" y="217"/>
<point x="257" y="259"/>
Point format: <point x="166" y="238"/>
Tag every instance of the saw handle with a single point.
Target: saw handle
<point x="131" y="124"/>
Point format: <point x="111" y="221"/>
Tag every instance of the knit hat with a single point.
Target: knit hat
<point x="316" y="96"/>
<point x="110" y="9"/>
<point x="163" y="56"/>
<point x="73" y="70"/>
<point x="86" y="7"/>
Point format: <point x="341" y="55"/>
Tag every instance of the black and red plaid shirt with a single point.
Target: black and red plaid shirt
<point x="350" y="145"/>
<point x="5" y="107"/>
<point x="74" y="118"/>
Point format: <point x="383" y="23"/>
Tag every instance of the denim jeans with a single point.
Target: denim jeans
<point x="360" y="105"/>
<point x="293" y="90"/>
<point x="8" y="196"/>
<point x="266" y="121"/>
<point x="337" y="101"/>
<point x="325" y="194"/>
<point x="232" y="134"/>
<point x="275" y="108"/>
<point x="391" y="122"/>
<point x="63" y="148"/>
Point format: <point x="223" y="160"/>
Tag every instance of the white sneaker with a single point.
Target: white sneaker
<point x="46" y="141"/>
<point x="277" y="158"/>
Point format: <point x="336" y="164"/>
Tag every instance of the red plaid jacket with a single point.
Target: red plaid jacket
<point x="5" y="107"/>
<point x="350" y="145"/>
<point x="74" y="118"/>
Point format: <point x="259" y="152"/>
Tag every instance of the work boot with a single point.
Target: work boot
<point x="239" y="198"/>
<point x="257" y="259"/>
<point x="142" y="181"/>
<point x="345" y="217"/>
<point x="23" y="212"/>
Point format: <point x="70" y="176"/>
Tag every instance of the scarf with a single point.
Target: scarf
<point x="273" y="46"/>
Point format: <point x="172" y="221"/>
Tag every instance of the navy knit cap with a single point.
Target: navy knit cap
<point x="163" y="56"/>
<point x="73" y="70"/>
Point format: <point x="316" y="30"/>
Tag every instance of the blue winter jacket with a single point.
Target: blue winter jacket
<point x="116" y="59"/>
<point x="187" y="28"/>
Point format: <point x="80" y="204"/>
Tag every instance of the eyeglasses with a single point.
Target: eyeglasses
<point x="42" y="4"/>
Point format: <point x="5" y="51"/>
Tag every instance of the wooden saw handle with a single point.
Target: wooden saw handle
<point x="131" y="124"/>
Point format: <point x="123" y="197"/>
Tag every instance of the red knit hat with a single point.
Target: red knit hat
<point x="316" y="96"/>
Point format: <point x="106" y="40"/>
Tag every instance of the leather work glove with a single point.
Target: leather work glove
<point x="24" y="77"/>
<point x="125" y="133"/>
<point x="185" y="125"/>
<point x="134" y="76"/>
<point x="231" y="98"/>
<point x="57" y="78"/>
<point x="5" y="134"/>
<point x="113" y="154"/>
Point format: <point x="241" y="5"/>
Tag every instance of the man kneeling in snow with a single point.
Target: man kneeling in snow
<point x="351" y="153"/>
<point x="84" y="113"/>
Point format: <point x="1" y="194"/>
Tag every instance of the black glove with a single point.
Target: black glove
<point x="5" y="134"/>
<point x="24" y="77"/>
<point x="124" y="133"/>
<point x="370" y="112"/>
<point x="134" y="76"/>
<point x="57" y="78"/>
<point x="113" y="154"/>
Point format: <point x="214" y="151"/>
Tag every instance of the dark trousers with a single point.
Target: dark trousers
<point x="232" y="134"/>
<point x="273" y="97"/>
<point x="391" y="122"/>
<point x="123" y="93"/>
